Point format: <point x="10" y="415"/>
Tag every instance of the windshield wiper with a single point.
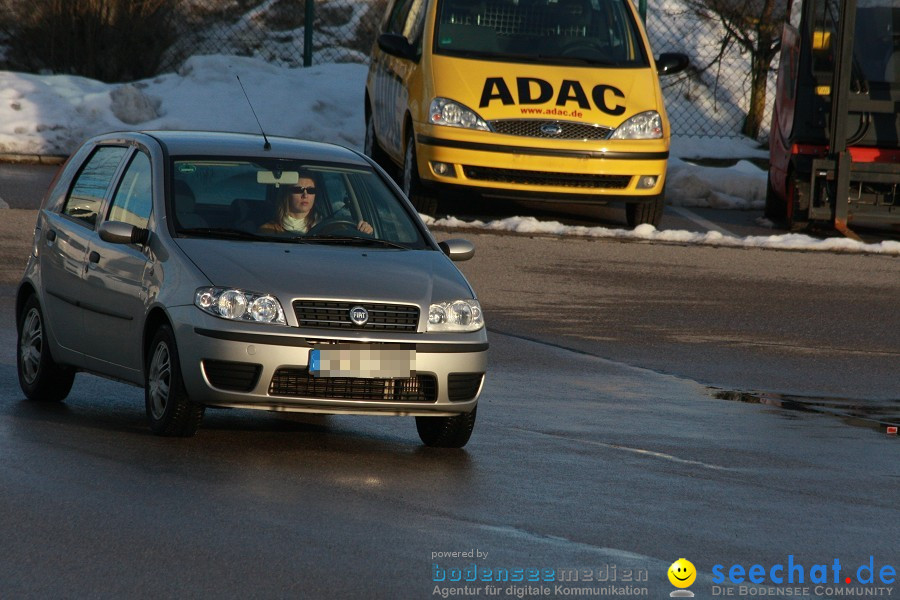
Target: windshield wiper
<point x="561" y="60"/>
<point x="236" y="234"/>
<point x="353" y="239"/>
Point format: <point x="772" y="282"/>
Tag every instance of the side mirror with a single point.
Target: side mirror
<point x="397" y="45"/>
<point x="117" y="232"/>
<point x="670" y="63"/>
<point x="458" y="250"/>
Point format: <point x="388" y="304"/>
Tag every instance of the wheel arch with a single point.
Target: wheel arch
<point x="25" y="291"/>
<point x="156" y="318"/>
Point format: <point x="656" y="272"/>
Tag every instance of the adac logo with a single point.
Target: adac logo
<point x="682" y="574"/>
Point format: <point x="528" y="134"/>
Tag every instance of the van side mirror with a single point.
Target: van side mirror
<point x="397" y="45"/>
<point x="457" y="249"/>
<point x="670" y="63"/>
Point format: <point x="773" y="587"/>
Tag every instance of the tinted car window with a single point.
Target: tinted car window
<point x="134" y="198"/>
<point x="93" y="181"/>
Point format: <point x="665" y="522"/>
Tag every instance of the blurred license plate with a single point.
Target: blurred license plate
<point x="360" y="360"/>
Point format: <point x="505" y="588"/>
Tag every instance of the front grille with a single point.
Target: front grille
<point x="570" y="180"/>
<point x="568" y="130"/>
<point x="463" y="386"/>
<point x="232" y="376"/>
<point x="299" y="383"/>
<point x="336" y="315"/>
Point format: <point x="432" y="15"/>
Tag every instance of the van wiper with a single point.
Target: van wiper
<point x="352" y="239"/>
<point x="560" y="60"/>
<point x="226" y="232"/>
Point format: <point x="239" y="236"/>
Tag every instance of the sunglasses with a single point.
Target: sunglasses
<point x="311" y="190"/>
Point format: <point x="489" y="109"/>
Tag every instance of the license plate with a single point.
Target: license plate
<point x="363" y="361"/>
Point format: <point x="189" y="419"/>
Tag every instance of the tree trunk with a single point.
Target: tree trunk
<point x="759" y="81"/>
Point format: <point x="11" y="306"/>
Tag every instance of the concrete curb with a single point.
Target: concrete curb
<point x="32" y="159"/>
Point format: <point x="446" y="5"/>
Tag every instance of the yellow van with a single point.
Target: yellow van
<point x="553" y="100"/>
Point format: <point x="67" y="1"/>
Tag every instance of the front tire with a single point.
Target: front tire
<point x="446" y="432"/>
<point x="776" y="207"/>
<point x="373" y="149"/>
<point x="40" y="377"/>
<point x="170" y="411"/>
<point x="648" y="212"/>
<point x="422" y="198"/>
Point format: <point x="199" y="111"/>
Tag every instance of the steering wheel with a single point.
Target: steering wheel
<point x="581" y="48"/>
<point x="331" y="226"/>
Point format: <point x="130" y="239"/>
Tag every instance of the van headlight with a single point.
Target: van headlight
<point x="239" y="305"/>
<point x="444" y="111"/>
<point x="642" y="126"/>
<point x="459" y="315"/>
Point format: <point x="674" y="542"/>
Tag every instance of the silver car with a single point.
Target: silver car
<point x="168" y="260"/>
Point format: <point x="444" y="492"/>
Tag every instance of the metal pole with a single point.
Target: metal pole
<point x="309" y="16"/>
<point x="642" y="9"/>
<point x="840" y="95"/>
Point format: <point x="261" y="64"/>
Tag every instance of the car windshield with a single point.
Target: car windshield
<point x="288" y="201"/>
<point x="589" y="32"/>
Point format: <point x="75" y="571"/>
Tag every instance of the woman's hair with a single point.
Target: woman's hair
<point x="284" y="200"/>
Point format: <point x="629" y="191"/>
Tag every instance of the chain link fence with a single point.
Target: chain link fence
<point x="710" y="99"/>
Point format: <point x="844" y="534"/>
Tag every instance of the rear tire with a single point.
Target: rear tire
<point x="648" y="212"/>
<point x="170" y="411"/>
<point x="40" y="377"/>
<point x="422" y="198"/>
<point x="446" y="432"/>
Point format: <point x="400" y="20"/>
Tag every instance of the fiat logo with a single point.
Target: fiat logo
<point x="359" y="315"/>
<point x="551" y="129"/>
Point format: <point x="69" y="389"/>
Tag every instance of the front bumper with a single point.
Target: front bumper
<point x="501" y="165"/>
<point x="240" y="365"/>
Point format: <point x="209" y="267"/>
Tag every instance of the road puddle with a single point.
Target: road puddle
<point x="881" y="415"/>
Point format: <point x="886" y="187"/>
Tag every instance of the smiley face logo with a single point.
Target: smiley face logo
<point x="682" y="573"/>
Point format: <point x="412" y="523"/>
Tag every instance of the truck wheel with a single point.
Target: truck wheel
<point x="169" y="409"/>
<point x="776" y="207"/>
<point x="422" y="198"/>
<point x="648" y="212"/>
<point x="797" y="218"/>
<point x="40" y="377"/>
<point x="373" y="149"/>
<point x="446" y="432"/>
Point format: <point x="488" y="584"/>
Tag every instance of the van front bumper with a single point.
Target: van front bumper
<point x="502" y="165"/>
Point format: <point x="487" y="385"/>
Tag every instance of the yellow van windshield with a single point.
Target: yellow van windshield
<point x="593" y="32"/>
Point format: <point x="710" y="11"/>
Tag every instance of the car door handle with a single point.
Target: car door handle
<point x="51" y="236"/>
<point x="94" y="257"/>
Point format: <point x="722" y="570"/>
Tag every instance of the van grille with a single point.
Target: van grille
<point x="299" y="383"/>
<point x="570" y="180"/>
<point x="336" y="315"/>
<point x="567" y="129"/>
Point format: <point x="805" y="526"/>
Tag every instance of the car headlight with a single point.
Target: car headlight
<point x="642" y="126"/>
<point x="239" y="305"/>
<point x="459" y="315"/>
<point x="453" y="114"/>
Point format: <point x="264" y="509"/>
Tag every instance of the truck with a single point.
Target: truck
<point x="834" y="144"/>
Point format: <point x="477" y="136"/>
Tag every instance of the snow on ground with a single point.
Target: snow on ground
<point x="52" y="114"/>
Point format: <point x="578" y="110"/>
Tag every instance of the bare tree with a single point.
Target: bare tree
<point x="755" y="26"/>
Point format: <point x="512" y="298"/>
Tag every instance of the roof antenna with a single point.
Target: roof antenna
<point x="267" y="145"/>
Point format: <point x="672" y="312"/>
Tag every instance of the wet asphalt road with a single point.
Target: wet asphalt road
<point x="576" y="462"/>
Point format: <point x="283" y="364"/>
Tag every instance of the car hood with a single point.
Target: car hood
<point x="328" y="271"/>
